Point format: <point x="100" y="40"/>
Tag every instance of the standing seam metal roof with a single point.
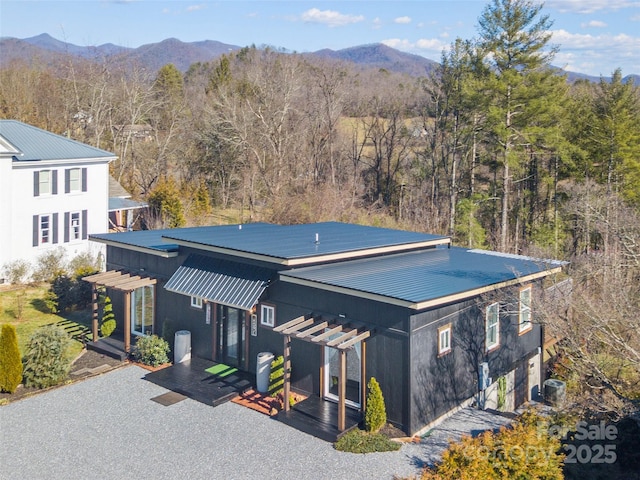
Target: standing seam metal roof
<point x="422" y="276"/>
<point x="37" y="144"/>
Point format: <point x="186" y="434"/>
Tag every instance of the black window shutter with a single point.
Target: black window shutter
<point x="84" y="224"/>
<point x="67" y="180"/>
<point x="67" y="218"/>
<point x="54" y="227"/>
<point x="54" y="182"/>
<point x="84" y="179"/>
<point x="36" y="184"/>
<point x="36" y="229"/>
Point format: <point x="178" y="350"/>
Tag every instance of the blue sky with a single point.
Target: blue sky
<point x="595" y="36"/>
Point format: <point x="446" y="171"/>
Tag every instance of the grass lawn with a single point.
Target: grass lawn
<point x="24" y="307"/>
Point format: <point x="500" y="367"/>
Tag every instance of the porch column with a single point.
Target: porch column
<point x="287" y="371"/>
<point x="363" y="376"/>
<point x="342" y="389"/>
<point x="127" y="321"/>
<point x="94" y="317"/>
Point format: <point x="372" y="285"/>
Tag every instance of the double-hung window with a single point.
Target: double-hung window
<point x="524" y="310"/>
<point x="45" y="229"/>
<point x="75" y="180"/>
<point x="75" y="226"/>
<point x="492" y="326"/>
<point x="444" y="339"/>
<point x="45" y="182"/>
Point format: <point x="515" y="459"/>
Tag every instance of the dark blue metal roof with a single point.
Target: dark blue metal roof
<point x="228" y="283"/>
<point x="421" y="276"/>
<point x="36" y="144"/>
<point x="145" y="239"/>
<point x="299" y="241"/>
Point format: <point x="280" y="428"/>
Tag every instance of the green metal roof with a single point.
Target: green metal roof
<point x="35" y="144"/>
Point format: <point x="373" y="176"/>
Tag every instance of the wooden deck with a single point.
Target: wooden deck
<point x="319" y="418"/>
<point x="110" y="346"/>
<point x="191" y="379"/>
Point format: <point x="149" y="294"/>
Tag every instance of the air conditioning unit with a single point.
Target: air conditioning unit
<point x="555" y="391"/>
<point x="483" y="376"/>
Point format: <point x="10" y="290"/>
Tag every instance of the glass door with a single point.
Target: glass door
<point x="142" y="311"/>
<point x="231" y="336"/>
<point x="331" y="372"/>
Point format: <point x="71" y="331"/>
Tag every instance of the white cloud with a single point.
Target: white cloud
<point x="586" y="52"/>
<point x="195" y="8"/>
<point x="330" y="17"/>
<point x="377" y="23"/>
<point x="593" y="24"/>
<point x="590" y="6"/>
<point x="403" y="20"/>
<point x="428" y="47"/>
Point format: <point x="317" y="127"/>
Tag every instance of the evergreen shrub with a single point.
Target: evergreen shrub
<point x="375" y="415"/>
<point x="108" y="324"/>
<point x="10" y="361"/>
<point x="46" y="362"/>
<point x="151" y="350"/>
<point x="358" y="441"/>
<point x="276" y="376"/>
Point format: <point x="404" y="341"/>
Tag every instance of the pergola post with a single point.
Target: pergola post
<point x="127" y="321"/>
<point x="363" y="376"/>
<point x="342" y="389"/>
<point x="286" y="371"/>
<point x="94" y="317"/>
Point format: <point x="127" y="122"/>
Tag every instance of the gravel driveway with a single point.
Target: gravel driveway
<point x="107" y="428"/>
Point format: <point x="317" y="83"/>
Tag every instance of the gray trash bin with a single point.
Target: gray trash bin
<point x="182" y="346"/>
<point x="263" y="370"/>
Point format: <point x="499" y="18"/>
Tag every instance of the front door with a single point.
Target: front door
<point x="331" y="372"/>
<point x="231" y="336"/>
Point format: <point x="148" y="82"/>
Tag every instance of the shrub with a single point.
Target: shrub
<point x="108" y="324"/>
<point x="46" y="363"/>
<point x="276" y="376"/>
<point x="17" y="271"/>
<point x="358" y="441"/>
<point x="375" y="415"/>
<point x="151" y="350"/>
<point x="525" y="450"/>
<point x="10" y="362"/>
<point x="49" y="265"/>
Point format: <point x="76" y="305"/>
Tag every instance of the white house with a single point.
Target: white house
<point x="54" y="192"/>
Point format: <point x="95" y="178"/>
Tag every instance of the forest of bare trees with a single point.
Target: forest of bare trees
<point x="495" y="149"/>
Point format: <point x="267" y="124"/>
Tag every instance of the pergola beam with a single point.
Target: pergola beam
<point x="358" y="338"/>
<point x="304" y="334"/>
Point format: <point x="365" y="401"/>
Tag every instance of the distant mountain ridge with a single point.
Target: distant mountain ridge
<point x="45" y="49"/>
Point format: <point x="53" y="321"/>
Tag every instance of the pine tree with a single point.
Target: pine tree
<point x="10" y="361"/>
<point x="375" y="415"/>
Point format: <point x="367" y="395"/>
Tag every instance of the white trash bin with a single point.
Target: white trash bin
<point x="182" y="346"/>
<point x="263" y="370"/>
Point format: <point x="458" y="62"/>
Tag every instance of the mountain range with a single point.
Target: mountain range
<point x="44" y="49"/>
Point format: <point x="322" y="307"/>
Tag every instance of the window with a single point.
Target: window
<point x="45" y="229"/>
<point x="75" y="230"/>
<point x="45" y="182"/>
<point x="268" y="316"/>
<point x="196" y="302"/>
<point x="444" y="339"/>
<point x="524" y="310"/>
<point x="142" y="311"/>
<point x="75" y="180"/>
<point x="492" y="326"/>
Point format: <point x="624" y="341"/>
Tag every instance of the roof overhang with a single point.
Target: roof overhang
<point x="419" y="305"/>
<point x="164" y="252"/>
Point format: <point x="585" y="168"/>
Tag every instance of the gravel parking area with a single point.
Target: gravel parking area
<point x="106" y="427"/>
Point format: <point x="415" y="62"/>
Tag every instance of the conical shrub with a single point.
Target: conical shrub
<point x="375" y="415"/>
<point x="10" y="361"/>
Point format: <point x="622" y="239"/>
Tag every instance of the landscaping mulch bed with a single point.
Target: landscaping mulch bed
<point x="88" y="364"/>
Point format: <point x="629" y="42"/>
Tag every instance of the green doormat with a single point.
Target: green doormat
<point x="221" y="370"/>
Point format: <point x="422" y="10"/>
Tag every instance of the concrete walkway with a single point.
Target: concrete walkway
<point x="107" y="428"/>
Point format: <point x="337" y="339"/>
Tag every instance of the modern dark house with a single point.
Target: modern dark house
<point x="439" y="327"/>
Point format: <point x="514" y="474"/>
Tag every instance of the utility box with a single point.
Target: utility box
<point x="182" y="346"/>
<point x="555" y="391"/>
<point x="263" y="371"/>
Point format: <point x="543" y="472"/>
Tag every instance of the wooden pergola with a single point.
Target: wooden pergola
<point x="124" y="282"/>
<point x="320" y="331"/>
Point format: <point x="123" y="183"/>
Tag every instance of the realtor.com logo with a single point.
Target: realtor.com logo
<point x="589" y="442"/>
